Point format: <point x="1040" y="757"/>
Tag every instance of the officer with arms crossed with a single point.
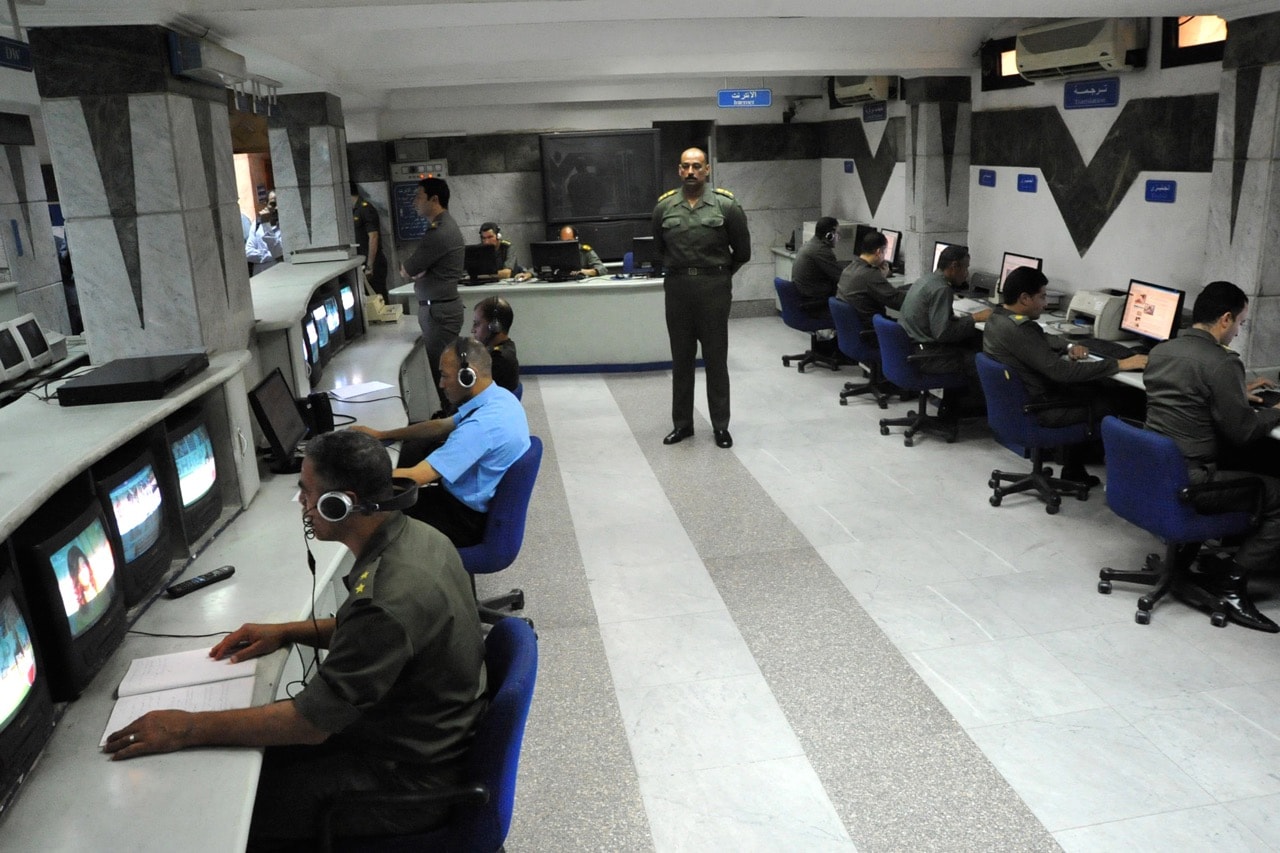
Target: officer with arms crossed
<point x="393" y="705"/>
<point x="435" y="267"/>
<point x="1197" y="395"/>
<point x="702" y="238"/>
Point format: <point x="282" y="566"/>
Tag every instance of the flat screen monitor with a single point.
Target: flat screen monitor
<point x="26" y="710"/>
<point x="555" y="260"/>
<point x="894" y="238"/>
<point x="1011" y="262"/>
<point x="1152" y="311"/>
<point x="277" y="412"/>
<point x="320" y="317"/>
<point x="35" y="349"/>
<point x="193" y="472"/>
<point x="12" y="361"/>
<point x="133" y="504"/>
<point x="644" y="255"/>
<point x="69" y="571"/>
<point x="938" y="248"/>
<point x="480" y="260"/>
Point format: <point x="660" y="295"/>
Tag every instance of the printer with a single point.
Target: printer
<point x="1099" y="310"/>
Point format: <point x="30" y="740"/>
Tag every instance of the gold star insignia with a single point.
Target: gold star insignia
<point x="359" y="589"/>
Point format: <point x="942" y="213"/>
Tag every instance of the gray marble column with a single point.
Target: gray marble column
<point x="937" y="166"/>
<point x="25" y="230"/>
<point x="1244" y="219"/>
<point x="309" y="159"/>
<point x="147" y="185"/>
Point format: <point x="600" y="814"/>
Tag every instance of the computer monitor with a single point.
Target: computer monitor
<point x="894" y="239"/>
<point x="644" y="255"/>
<point x="480" y="260"/>
<point x="277" y="412"/>
<point x="69" y="571"/>
<point x="352" y="321"/>
<point x="191" y="472"/>
<point x="26" y="710"/>
<point x="333" y="316"/>
<point x="1011" y="262"/>
<point x="1152" y="311"/>
<point x="555" y="260"/>
<point x="320" y="317"/>
<point x="13" y="363"/>
<point x="938" y="248"/>
<point x="133" y="505"/>
<point x="35" y="349"/>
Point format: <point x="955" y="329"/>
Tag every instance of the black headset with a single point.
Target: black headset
<point x="490" y="312"/>
<point x="338" y="506"/>
<point x="466" y="373"/>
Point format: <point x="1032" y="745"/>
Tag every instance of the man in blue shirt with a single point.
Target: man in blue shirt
<point x="461" y="459"/>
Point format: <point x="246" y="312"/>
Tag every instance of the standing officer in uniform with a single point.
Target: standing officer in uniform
<point x="369" y="242"/>
<point x="435" y="267"/>
<point x="703" y="240"/>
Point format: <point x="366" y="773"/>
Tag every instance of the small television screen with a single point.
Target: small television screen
<point x="1011" y="262"/>
<point x="320" y="317"/>
<point x="938" y="248"/>
<point x="1152" y="311"/>
<point x="281" y="423"/>
<point x="333" y="318"/>
<point x="191" y="472"/>
<point x="480" y="259"/>
<point x="136" y="505"/>
<point x="555" y="259"/>
<point x="644" y="255"/>
<point x="17" y="661"/>
<point x="31" y="340"/>
<point x="26" y="711"/>
<point x="84" y="568"/>
<point x="129" y="487"/>
<point x="197" y="471"/>
<point x="12" y="362"/>
<point x="348" y="296"/>
<point x="891" y="247"/>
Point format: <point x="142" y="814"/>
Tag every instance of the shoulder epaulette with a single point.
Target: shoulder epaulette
<point x="364" y="204"/>
<point x="724" y="192"/>
<point x="666" y="194"/>
<point x="586" y="248"/>
<point x="505" y="243"/>
<point x="362" y="586"/>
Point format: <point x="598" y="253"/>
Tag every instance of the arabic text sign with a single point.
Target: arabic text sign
<point x="875" y="111"/>
<point x="1091" y="94"/>
<point x="1027" y="183"/>
<point x="986" y="177"/>
<point x="15" y="54"/>
<point x="1163" y="192"/>
<point x="731" y="98"/>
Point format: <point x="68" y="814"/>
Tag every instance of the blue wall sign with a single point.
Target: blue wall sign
<point x="1027" y="183"/>
<point x="875" y="111"/>
<point x="409" y="225"/>
<point x="732" y="98"/>
<point x="1162" y="192"/>
<point x="1091" y="94"/>
<point x="848" y="167"/>
<point x="986" y="177"/>
<point x="15" y="54"/>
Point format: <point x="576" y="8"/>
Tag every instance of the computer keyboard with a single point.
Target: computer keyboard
<point x="1111" y="349"/>
<point x="1269" y="396"/>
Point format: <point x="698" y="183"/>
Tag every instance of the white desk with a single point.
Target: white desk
<point x="601" y="323"/>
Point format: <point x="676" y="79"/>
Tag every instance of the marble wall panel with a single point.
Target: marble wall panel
<point x="295" y="232"/>
<point x="1254" y="40"/>
<point x="940" y="128"/>
<point x="934" y="205"/>
<point x="754" y="282"/>
<point x="80" y="185"/>
<point x="1268" y="259"/>
<point x="219" y="146"/>
<point x="49" y="303"/>
<point x="769" y="185"/>
<point x="511" y="199"/>
<point x="16" y="129"/>
<point x="1233" y="251"/>
<point x="283" y="170"/>
<point x="102" y="284"/>
<point x="159" y="127"/>
<point x="1264" y="332"/>
<point x="210" y="294"/>
<point x="739" y="143"/>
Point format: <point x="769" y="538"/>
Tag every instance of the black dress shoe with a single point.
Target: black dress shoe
<point x="723" y="439"/>
<point x="1225" y="580"/>
<point x="1080" y="475"/>
<point x="678" y="435"/>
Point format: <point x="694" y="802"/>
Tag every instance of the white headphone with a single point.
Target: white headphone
<point x="338" y="506"/>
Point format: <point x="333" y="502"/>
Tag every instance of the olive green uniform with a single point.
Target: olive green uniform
<point x="590" y="260"/>
<point x="701" y="248"/>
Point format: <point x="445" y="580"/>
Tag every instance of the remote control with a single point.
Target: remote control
<point x="178" y="590"/>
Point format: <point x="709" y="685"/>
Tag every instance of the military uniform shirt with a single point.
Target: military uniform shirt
<point x="1018" y="341"/>
<point x="506" y="261"/>
<point x="440" y="255"/>
<point x="714" y="234"/>
<point x="506" y="365"/>
<point x="590" y="260"/>
<point x="367" y="221"/>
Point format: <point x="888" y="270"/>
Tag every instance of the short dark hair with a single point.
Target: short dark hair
<point x="491" y="226"/>
<point x="1218" y="298"/>
<point x="953" y="254"/>
<point x="872" y="242"/>
<point x="825" y="226"/>
<point x="1022" y="280"/>
<point x="437" y="187"/>
<point x="478" y="358"/>
<point x="496" y="308"/>
<point x="351" y="462"/>
<point x="354" y="189"/>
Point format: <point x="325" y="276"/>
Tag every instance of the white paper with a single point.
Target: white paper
<point x="180" y="669"/>
<point x="350" y="392"/>
<point x="218" y="696"/>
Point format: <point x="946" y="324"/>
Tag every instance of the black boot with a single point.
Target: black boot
<point x="1230" y="583"/>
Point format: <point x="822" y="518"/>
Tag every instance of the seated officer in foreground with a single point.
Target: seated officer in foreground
<point x="461" y="458"/>
<point x="1049" y="367"/>
<point x="1196" y="395"/>
<point x="490" y="324"/>
<point x="591" y="263"/>
<point x="508" y="266"/>
<point x="393" y="705"/>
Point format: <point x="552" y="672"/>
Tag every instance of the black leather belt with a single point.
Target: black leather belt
<point x="696" y="270"/>
<point x="437" y="301"/>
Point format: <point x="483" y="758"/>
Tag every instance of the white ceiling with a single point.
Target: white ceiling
<point x="398" y="57"/>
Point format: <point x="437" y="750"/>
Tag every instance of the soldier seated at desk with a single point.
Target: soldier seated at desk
<point x="591" y="263"/>
<point x="508" y="266"/>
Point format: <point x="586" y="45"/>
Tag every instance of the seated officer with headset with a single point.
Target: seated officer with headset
<point x="393" y="705"/>
<point x="462" y="457"/>
<point x="591" y="263"/>
<point x="490" y="324"/>
<point x="508" y="266"/>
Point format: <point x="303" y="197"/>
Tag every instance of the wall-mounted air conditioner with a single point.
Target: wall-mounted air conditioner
<point x="1082" y="46"/>
<point x="859" y="90"/>
<point x="205" y="61"/>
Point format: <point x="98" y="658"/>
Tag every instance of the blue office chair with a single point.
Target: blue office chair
<point x="519" y="392"/>
<point x="1012" y="416"/>
<point x="504" y="533"/>
<point x="859" y="345"/>
<point x="1147" y="486"/>
<point x="898" y="357"/>
<point x="797" y="318"/>
<point x="628" y="263"/>
<point x="482" y="807"/>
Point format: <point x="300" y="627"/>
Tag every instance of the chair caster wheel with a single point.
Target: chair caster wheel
<point x="800" y="368"/>
<point x="1152" y="564"/>
<point x="1052" y="509"/>
<point x="1082" y="495"/>
<point x="993" y="483"/>
<point x="518" y="603"/>
<point x="1142" y="617"/>
<point x="995" y="500"/>
<point x="907" y="442"/>
<point x="1047" y="471"/>
<point x="884" y="430"/>
<point x="1104" y="587"/>
<point x="1218" y="619"/>
<point x="843" y="401"/>
<point x="786" y="362"/>
<point x="884" y="404"/>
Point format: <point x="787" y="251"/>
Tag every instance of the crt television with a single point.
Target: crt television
<point x="133" y="504"/>
<point x="26" y="710"/>
<point x="13" y="363"/>
<point x="69" y="570"/>
<point x="1152" y="311"/>
<point x="35" y="349"/>
<point x="352" y="321"/>
<point x="333" y="318"/>
<point x="555" y="260"/>
<point x="1011" y="262"/>
<point x="282" y="425"/>
<point x="191" y="473"/>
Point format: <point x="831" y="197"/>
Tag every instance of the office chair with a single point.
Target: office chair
<point x="519" y="392"/>
<point x="797" y="318"/>
<point x="1147" y="486"/>
<point x="482" y="807"/>
<point x="504" y="533"/>
<point x="859" y="345"/>
<point x="1012" y="417"/>
<point x="898" y="357"/>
